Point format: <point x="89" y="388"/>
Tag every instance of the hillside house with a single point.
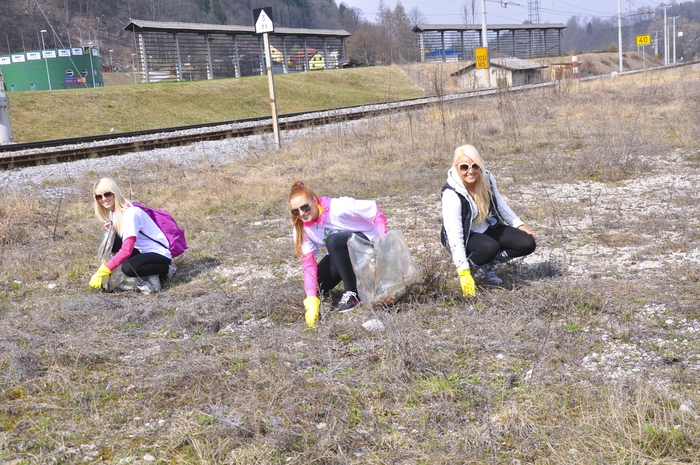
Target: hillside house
<point x="316" y="59"/>
<point x="276" y="55"/>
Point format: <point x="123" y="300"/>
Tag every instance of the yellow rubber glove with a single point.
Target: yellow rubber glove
<point x="467" y="283"/>
<point x="96" y="280"/>
<point x="312" y="305"/>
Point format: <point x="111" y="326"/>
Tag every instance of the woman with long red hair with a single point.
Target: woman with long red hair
<point x="330" y="222"/>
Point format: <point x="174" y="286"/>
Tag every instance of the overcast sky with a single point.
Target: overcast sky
<point x="515" y="12"/>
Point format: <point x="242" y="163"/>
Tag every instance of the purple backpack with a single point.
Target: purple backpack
<point x="167" y="224"/>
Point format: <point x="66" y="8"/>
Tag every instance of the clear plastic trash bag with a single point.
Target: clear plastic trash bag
<point x="385" y="270"/>
<point x="116" y="280"/>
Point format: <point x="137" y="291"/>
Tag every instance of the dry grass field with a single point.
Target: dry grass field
<point x="588" y="354"/>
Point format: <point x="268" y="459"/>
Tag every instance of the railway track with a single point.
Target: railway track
<point x="66" y="150"/>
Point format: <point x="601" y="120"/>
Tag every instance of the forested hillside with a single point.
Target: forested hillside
<point x="21" y="20"/>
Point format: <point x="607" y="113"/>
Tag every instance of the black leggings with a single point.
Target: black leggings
<point x="482" y="248"/>
<point x="140" y="265"/>
<point x="336" y="266"/>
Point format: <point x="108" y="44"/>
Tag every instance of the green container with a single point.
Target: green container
<point x="53" y="69"/>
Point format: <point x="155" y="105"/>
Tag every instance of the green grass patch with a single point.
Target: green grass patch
<point x="81" y="112"/>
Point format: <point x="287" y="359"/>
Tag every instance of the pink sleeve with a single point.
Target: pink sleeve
<point x="310" y="267"/>
<point x="380" y="222"/>
<point x="124" y="253"/>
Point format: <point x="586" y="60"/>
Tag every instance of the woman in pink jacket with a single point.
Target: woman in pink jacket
<point x="330" y="222"/>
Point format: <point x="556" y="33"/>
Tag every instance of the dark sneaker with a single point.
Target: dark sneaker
<point x="349" y="301"/>
<point x="488" y="271"/>
<point x="501" y="258"/>
<point x="490" y="274"/>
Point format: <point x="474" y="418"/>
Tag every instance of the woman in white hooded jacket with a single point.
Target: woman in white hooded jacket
<point x="479" y="228"/>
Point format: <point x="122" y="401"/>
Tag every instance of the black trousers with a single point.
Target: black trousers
<point x="140" y="265"/>
<point x="336" y="266"/>
<point x="482" y="248"/>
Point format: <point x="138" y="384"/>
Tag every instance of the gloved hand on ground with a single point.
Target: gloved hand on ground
<point x="96" y="280"/>
<point x="312" y="305"/>
<point x="467" y="283"/>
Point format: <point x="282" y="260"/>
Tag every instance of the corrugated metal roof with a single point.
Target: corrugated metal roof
<point x="515" y="63"/>
<point x="143" y="25"/>
<point x="490" y="27"/>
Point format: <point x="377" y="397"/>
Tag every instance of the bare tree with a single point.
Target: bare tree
<point x="469" y="17"/>
<point x="365" y="44"/>
<point x="415" y="17"/>
<point x="469" y="12"/>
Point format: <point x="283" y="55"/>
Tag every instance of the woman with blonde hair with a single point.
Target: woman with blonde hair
<point x="479" y="228"/>
<point x="330" y="222"/>
<point x="140" y="247"/>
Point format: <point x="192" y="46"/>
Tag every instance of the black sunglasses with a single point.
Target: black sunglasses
<point x="466" y="167"/>
<point x="305" y="208"/>
<point x="106" y="195"/>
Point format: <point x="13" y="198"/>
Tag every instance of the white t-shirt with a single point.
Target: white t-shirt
<point x="136" y="222"/>
<point x="344" y="214"/>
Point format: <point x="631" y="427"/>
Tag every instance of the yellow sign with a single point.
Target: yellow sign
<point x="482" y="58"/>
<point x="643" y="40"/>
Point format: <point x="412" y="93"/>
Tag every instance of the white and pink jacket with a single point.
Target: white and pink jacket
<point x="343" y="214"/>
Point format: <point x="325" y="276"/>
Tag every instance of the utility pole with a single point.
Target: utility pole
<point x="665" y="34"/>
<point x="656" y="44"/>
<point x="619" y="33"/>
<point x="674" y="38"/>
<point x="43" y="52"/>
<point x="485" y="41"/>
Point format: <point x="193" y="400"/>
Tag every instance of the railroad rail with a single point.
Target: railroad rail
<point x="65" y="150"/>
<point x="72" y="149"/>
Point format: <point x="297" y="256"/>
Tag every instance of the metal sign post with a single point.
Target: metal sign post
<point x="642" y="41"/>
<point x="262" y="17"/>
<point x="481" y="55"/>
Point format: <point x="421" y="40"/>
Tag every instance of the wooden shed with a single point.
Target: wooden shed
<point x="168" y="51"/>
<point x="505" y="72"/>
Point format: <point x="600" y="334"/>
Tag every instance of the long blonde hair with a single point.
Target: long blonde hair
<point x="299" y="189"/>
<point x="120" y="202"/>
<point x="482" y="186"/>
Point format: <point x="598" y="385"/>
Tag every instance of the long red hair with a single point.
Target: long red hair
<point x="299" y="188"/>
